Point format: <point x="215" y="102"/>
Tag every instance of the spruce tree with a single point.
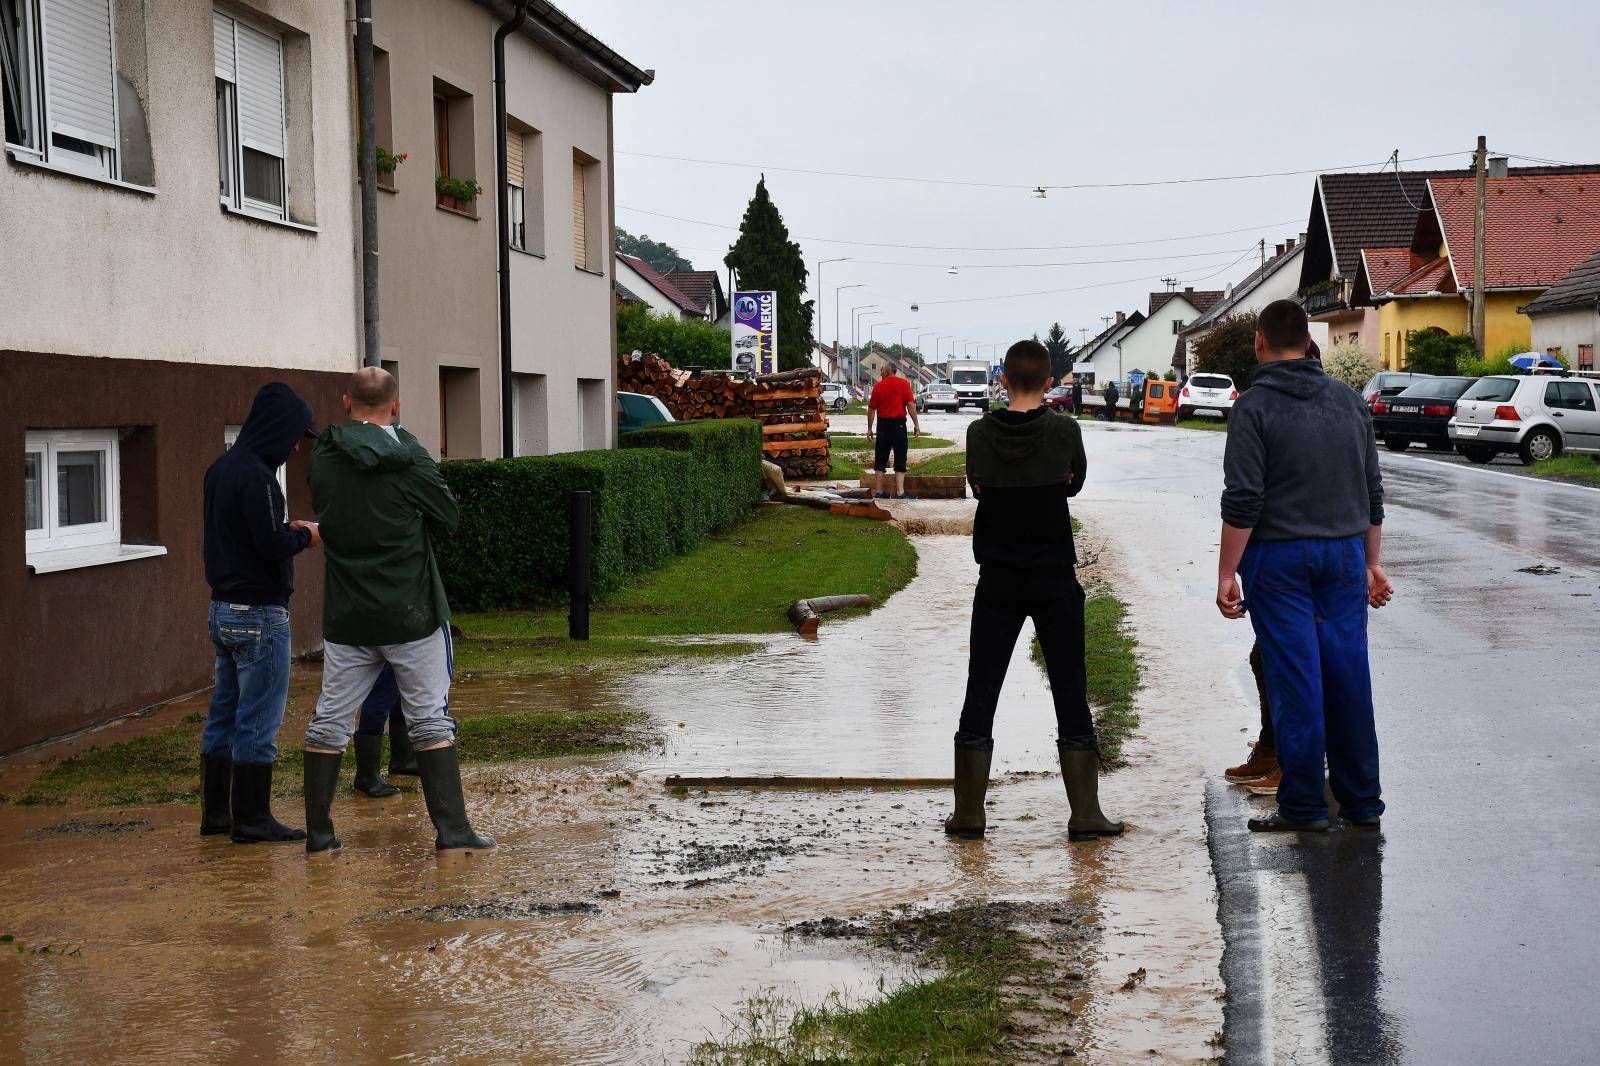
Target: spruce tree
<point x="765" y="258"/>
<point x="1060" y="350"/>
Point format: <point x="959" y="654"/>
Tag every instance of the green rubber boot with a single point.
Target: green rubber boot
<point x="1080" y="770"/>
<point x="972" y="782"/>
<point x="441" y="787"/>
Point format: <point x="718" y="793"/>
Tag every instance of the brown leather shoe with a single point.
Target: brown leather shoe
<point x="1260" y="764"/>
<point x="1267" y="786"/>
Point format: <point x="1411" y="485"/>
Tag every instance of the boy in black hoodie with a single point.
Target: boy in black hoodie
<point x="249" y="551"/>
<point x="1024" y="463"/>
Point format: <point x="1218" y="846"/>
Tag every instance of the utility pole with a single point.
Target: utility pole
<point x="1480" y="163"/>
<point x="1263" y="255"/>
<point x="1084" y="333"/>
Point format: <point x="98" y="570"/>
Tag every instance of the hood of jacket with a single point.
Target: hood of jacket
<point x="1297" y="378"/>
<point x="369" y="449"/>
<point x="278" y="419"/>
<point x="1011" y="449"/>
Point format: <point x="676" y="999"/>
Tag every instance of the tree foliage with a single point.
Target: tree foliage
<point x="1349" y="362"/>
<point x="765" y="258"/>
<point x="680" y="341"/>
<point x="1433" y="351"/>
<point x="664" y="257"/>
<point x="1055" y="342"/>
<point x="1229" y="348"/>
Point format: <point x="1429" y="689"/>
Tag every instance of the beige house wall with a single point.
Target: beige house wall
<point x="114" y="272"/>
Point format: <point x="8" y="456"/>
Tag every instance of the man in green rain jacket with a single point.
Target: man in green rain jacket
<point x="382" y="502"/>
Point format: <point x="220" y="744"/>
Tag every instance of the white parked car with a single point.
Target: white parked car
<point x="1207" y="392"/>
<point x="1536" y="417"/>
<point x="835" y="395"/>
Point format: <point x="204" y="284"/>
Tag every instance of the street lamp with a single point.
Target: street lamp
<point x="930" y="333"/>
<point x="820" y="264"/>
<point x="837" y="289"/>
<point x="903" y="333"/>
<point x="938" y="343"/>
<point x="856" y="314"/>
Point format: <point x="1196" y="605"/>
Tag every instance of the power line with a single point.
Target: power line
<point x="978" y="248"/>
<point x="1073" y="263"/>
<point x="1026" y="186"/>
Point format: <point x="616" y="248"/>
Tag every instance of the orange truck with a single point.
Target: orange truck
<point x="1160" y="402"/>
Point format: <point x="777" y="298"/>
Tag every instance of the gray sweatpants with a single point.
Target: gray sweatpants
<point x="422" y="671"/>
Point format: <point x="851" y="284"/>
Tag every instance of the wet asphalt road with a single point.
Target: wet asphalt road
<point x="1465" y="931"/>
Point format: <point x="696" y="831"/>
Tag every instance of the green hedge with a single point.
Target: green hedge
<point x="665" y="490"/>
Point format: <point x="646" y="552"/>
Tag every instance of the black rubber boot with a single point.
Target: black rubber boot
<point x="1080" y="770"/>
<point x="402" y="756"/>
<point x="216" y="784"/>
<point x="322" y="780"/>
<point x="369" y="782"/>
<point x="972" y="782"/>
<point x="253" y="822"/>
<point x="441" y="785"/>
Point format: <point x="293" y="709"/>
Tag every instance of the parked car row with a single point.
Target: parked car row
<point x="1534" y="417"/>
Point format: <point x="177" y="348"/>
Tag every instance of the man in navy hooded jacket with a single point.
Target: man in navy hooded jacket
<point x="249" y="550"/>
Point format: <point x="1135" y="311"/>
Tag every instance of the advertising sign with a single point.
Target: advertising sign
<point x="755" y="332"/>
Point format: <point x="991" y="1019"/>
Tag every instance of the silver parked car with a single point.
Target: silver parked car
<point x="1536" y="417"/>
<point x="941" y="395"/>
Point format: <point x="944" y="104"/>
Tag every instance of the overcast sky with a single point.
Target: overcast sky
<point x="1058" y="93"/>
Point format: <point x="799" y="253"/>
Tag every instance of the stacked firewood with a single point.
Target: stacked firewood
<point x="794" y="425"/>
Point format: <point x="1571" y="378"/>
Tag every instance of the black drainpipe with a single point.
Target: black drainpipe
<point x="507" y="399"/>
<point x="371" y="355"/>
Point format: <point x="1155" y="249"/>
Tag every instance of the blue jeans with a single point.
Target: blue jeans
<point x="1307" y="601"/>
<point x="252" y="682"/>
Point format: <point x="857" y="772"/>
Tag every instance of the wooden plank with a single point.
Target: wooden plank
<point x="786" y="394"/>
<point x="795" y="446"/>
<point x="795" y="427"/>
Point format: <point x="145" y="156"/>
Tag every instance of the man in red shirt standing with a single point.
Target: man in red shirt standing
<point x="891" y="401"/>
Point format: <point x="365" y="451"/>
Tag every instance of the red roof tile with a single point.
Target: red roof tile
<point x="1201" y="301"/>
<point x="1433" y="276"/>
<point x="661" y="284"/>
<point x="701" y="286"/>
<point x="1385" y="266"/>
<point x="1539" y="227"/>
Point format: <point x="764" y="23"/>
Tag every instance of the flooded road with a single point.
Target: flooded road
<point x="623" y="922"/>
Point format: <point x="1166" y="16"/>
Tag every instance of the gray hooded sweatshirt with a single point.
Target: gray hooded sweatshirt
<point x="1302" y="461"/>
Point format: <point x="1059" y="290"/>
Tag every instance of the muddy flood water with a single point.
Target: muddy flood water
<point x="621" y="921"/>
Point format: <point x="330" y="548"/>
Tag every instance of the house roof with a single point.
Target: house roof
<point x="659" y="282"/>
<point x="1350" y="212"/>
<point x="1385" y="266"/>
<point x="1200" y="301"/>
<point x="704" y="287"/>
<point x="625" y="294"/>
<point x="1248" y="284"/>
<point x="1538" y="227"/>
<point x="1580" y="288"/>
<point x="586" y="54"/>
<point x="1432" y="276"/>
<point x="1098" y="340"/>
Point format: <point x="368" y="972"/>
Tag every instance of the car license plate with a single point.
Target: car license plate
<point x="1405" y="410"/>
<point x="1466" y="431"/>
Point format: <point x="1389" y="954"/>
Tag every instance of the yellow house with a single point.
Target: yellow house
<point x="1536" y="232"/>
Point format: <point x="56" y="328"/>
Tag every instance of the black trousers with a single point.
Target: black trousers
<point x="1054" y="600"/>
<point x="1268" y="740"/>
<point x="891" y="438"/>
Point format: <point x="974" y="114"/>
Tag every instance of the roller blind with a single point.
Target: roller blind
<point x="260" y="90"/>
<point x="514" y="156"/>
<point x="222" y="45"/>
<point x="80" y="81"/>
<point x="580" y="219"/>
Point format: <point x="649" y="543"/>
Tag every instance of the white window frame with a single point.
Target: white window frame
<point x="230" y="437"/>
<point x="516" y="199"/>
<point x="231" y="170"/>
<point x="49" y="443"/>
<point x="33" y="63"/>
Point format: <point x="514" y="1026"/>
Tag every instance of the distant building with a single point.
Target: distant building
<point x="1277" y="279"/>
<point x="1566" y="318"/>
<point x="650" y="287"/>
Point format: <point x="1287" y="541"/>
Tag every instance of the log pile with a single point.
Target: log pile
<point x="794" y="423"/>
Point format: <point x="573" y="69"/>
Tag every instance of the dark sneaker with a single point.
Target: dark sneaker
<point x="1277" y="823"/>
<point x="1371" y="821"/>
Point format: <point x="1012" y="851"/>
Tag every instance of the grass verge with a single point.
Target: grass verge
<point x="1579" y="468"/>
<point x="1213" y="424"/>
<point x="163" y="766"/>
<point x="992" y="969"/>
<point x="948" y="464"/>
<point x="853" y="443"/>
<point x="847" y="467"/>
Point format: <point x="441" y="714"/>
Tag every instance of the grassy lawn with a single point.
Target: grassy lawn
<point x="1583" y="469"/>
<point x="947" y="464"/>
<point x="961" y="1016"/>
<point x="1203" y="423"/>
<point x="854" y="443"/>
<point x="847" y="467"/>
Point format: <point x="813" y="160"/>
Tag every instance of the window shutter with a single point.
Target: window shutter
<point x="222" y="45"/>
<point x="514" y="156"/>
<point x="260" y="91"/>
<point x="80" y="83"/>
<point x="580" y="219"/>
